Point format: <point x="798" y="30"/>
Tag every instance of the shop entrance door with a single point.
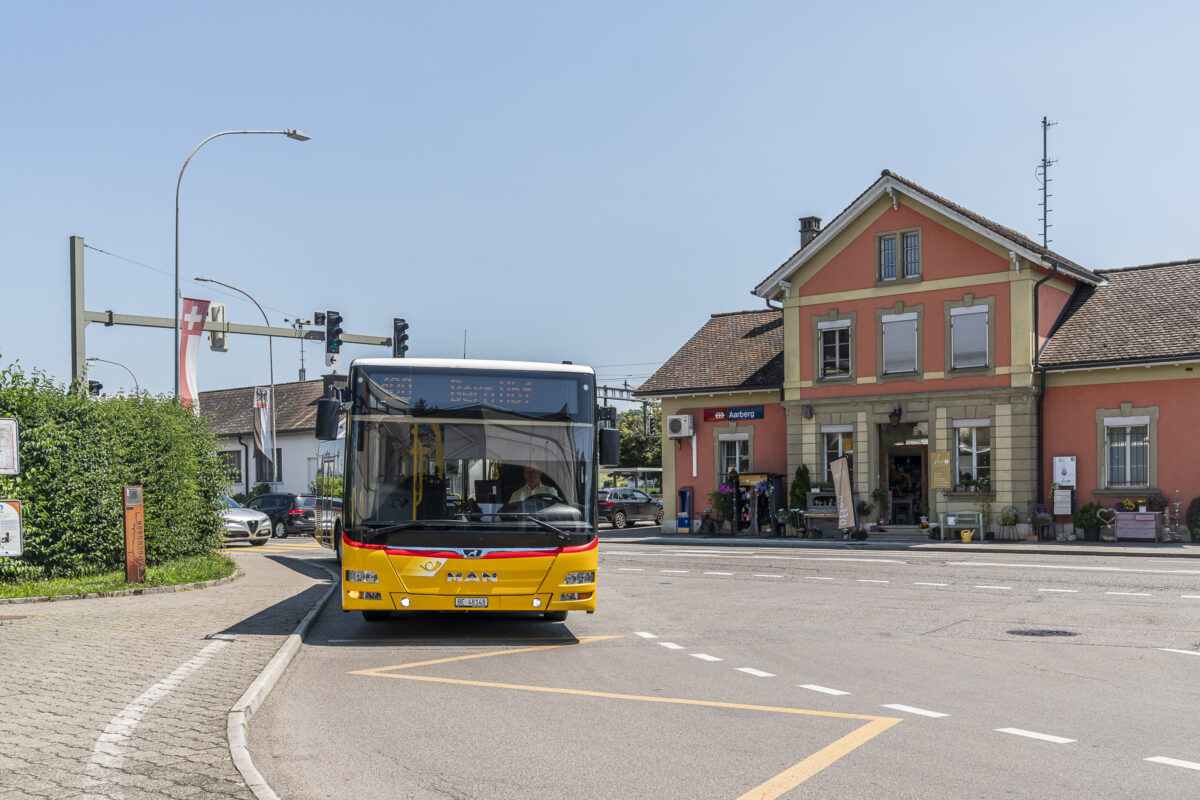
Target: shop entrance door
<point x="906" y="484"/>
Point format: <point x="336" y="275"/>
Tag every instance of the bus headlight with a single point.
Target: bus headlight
<point x="579" y="577"/>
<point x="360" y="576"/>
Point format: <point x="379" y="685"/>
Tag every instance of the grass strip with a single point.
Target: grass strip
<point x="193" y="569"/>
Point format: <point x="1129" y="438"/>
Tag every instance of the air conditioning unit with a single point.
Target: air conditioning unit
<point x="679" y="426"/>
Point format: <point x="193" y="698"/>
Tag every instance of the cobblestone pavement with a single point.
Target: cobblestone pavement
<point x="126" y="697"/>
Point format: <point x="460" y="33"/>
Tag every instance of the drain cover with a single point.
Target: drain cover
<point x="1043" y="633"/>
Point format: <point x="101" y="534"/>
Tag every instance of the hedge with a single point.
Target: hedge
<point x="77" y="452"/>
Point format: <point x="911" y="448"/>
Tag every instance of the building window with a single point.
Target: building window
<point x="968" y="337"/>
<point x="974" y="462"/>
<point x="232" y="459"/>
<point x="838" y="444"/>
<point x="899" y="343"/>
<point x="835" y="349"/>
<point x="262" y="468"/>
<point x="899" y="255"/>
<point x="734" y="455"/>
<point x="1128" y="456"/>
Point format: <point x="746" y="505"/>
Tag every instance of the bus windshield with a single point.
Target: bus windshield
<point x="470" y="451"/>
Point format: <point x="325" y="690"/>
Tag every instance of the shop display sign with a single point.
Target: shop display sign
<point x="845" y="498"/>
<point x="1064" y="470"/>
<point x="751" y="478"/>
<point x="942" y="477"/>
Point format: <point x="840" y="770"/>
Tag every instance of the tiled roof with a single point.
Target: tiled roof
<point x="886" y="178"/>
<point x="737" y="351"/>
<point x="230" y="411"/>
<point x="1147" y="313"/>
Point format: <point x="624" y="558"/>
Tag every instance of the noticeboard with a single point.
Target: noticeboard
<point x="10" y="528"/>
<point x="1064" y="471"/>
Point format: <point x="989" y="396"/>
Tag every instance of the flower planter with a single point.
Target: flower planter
<point x="1091" y="534"/>
<point x="966" y="536"/>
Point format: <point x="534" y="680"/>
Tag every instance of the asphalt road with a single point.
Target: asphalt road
<point x="765" y="672"/>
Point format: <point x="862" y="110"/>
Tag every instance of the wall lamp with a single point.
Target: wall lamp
<point x="894" y="415"/>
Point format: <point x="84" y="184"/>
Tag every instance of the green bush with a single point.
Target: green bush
<point x="76" y="455"/>
<point x="798" y="492"/>
<point x="1087" y="516"/>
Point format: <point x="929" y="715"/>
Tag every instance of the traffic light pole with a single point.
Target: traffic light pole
<point x="80" y="318"/>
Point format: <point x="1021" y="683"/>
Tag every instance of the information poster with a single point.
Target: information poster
<point x="941" y="476"/>
<point x="1064" y="471"/>
<point x="10" y="528"/>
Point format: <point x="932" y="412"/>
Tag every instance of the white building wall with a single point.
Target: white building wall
<point x="298" y="456"/>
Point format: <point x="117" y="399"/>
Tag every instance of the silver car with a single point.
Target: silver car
<point x="244" y="524"/>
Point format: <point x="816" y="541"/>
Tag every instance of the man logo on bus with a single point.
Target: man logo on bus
<point x="471" y="577"/>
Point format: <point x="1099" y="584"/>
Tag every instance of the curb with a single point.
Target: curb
<point x="177" y="587"/>
<point x="247" y="706"/>
<point x="920" y="547"/>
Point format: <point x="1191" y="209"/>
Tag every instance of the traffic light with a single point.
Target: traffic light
<point x="217" y="340"/>
<point x="318" y="318"/>
<point x="333" y="337"/>
<point x="94" y="388"/>
<point x="399" y="337"/>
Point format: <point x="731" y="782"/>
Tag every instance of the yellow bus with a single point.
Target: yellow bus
<point x="468" y="486"/>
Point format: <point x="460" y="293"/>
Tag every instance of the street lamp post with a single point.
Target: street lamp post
<point x="291" y="134"/>
<point x="136" y="389"/>
<point x="271" y="361"/>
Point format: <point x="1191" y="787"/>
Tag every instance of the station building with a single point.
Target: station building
<point x="943" y="353"/>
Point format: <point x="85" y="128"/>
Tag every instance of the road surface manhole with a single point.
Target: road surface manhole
<point x="1039" y="632"/>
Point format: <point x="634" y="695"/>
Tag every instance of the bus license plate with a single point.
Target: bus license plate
<point x="470" y="602"/>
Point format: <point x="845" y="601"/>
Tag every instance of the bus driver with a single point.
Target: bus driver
<point x="533" y="485"/>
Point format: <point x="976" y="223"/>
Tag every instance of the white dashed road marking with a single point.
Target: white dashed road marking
<point x="760" y="575"/>
<point x="645" y="635"/>
<point x="630" y="569"/>
<point x="1045" y="737"/>
<point x="816" y="578"/>
<point x="911" y="710"/>
<point x="1174" y="762"/>
<point x="1185" y="652"/>
<point x="1131" y="594"/>
<point x="871" y="580"/>
<point x="718" y="573"/>
<point x="758" y="673"/>
<point x="1190" y="596"/>
<point x="922" y="583"/>
<point x="1059" y="590"/>
<point x="675" y="571"/>
<point x="706" y="657"/>
<point x="1008" y="588"/>
<point x="823" y="689"/>
<point x="671" y="645"/>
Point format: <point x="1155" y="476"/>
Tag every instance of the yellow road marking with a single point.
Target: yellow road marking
<point x="785" y="781"/>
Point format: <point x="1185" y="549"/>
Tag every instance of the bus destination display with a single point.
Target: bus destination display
<point x="467" y="390"/>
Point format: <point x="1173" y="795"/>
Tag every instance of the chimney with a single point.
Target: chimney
<point x="809" y="228"/>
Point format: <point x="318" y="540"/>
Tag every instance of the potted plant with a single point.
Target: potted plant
<point x="826" y="486"/>
<point x="985" y="507"/>
<point x="1039" y="520"/>
<point x="879" y="494"/>
<point x="935" y="532"/>
<point x="1087" y="518"/>
<point x="801" y="485"/>
<point x="721" y="500"/>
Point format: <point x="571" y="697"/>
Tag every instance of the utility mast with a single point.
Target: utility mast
<point x="1043" y="174"/>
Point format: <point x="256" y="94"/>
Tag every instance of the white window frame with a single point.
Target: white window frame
<point x="839" y="431"/>
<point x="895" y="319"/>
<point x="836" y="327"/>
<point x="973" y="425"/>
<point x="954" y="354"/>
<point x="903" y="267"/>
<point x="1128" y="425"/>
<point x="739" y="443"/>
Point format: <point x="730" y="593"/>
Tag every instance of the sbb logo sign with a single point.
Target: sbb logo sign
<point x="714" y="415"/>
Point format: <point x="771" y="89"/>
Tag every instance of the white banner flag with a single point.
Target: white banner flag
<point x="191" y="325"/>
<point x="263" y="439"/>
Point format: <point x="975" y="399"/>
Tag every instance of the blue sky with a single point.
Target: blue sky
<point x="561" y="180"/>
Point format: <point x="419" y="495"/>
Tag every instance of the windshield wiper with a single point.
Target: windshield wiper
<point x="562" y="535"/>
<point x="374" y="533"/>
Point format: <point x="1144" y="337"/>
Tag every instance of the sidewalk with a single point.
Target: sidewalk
<point x="880" y="542"/>
<point x="127" y="697"/>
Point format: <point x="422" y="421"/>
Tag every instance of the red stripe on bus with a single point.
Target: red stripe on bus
<point x="399" y="551"/>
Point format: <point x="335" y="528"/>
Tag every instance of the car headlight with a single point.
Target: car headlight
<point x="579" y="577"/>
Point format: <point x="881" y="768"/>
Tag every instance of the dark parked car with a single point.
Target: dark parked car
<point x="622" y="507"/>
<point x="292" y="513"/>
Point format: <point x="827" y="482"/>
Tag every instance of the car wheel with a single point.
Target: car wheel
<point x="658" y="517"/>
<point x="258" y="543"/>
<point x="280" y="530"/>
<point x="376" y="616"/>
<point x="619" y="520"/>
<point x="555" y="616"/>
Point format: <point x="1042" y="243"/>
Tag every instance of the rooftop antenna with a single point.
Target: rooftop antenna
<point x="1043" y="176"/>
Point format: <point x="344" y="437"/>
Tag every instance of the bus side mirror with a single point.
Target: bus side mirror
<point x="610" y="447"/>
<point x="328" y="410"/>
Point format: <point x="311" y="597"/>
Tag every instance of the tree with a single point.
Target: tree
<point x="637" y="449"/>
